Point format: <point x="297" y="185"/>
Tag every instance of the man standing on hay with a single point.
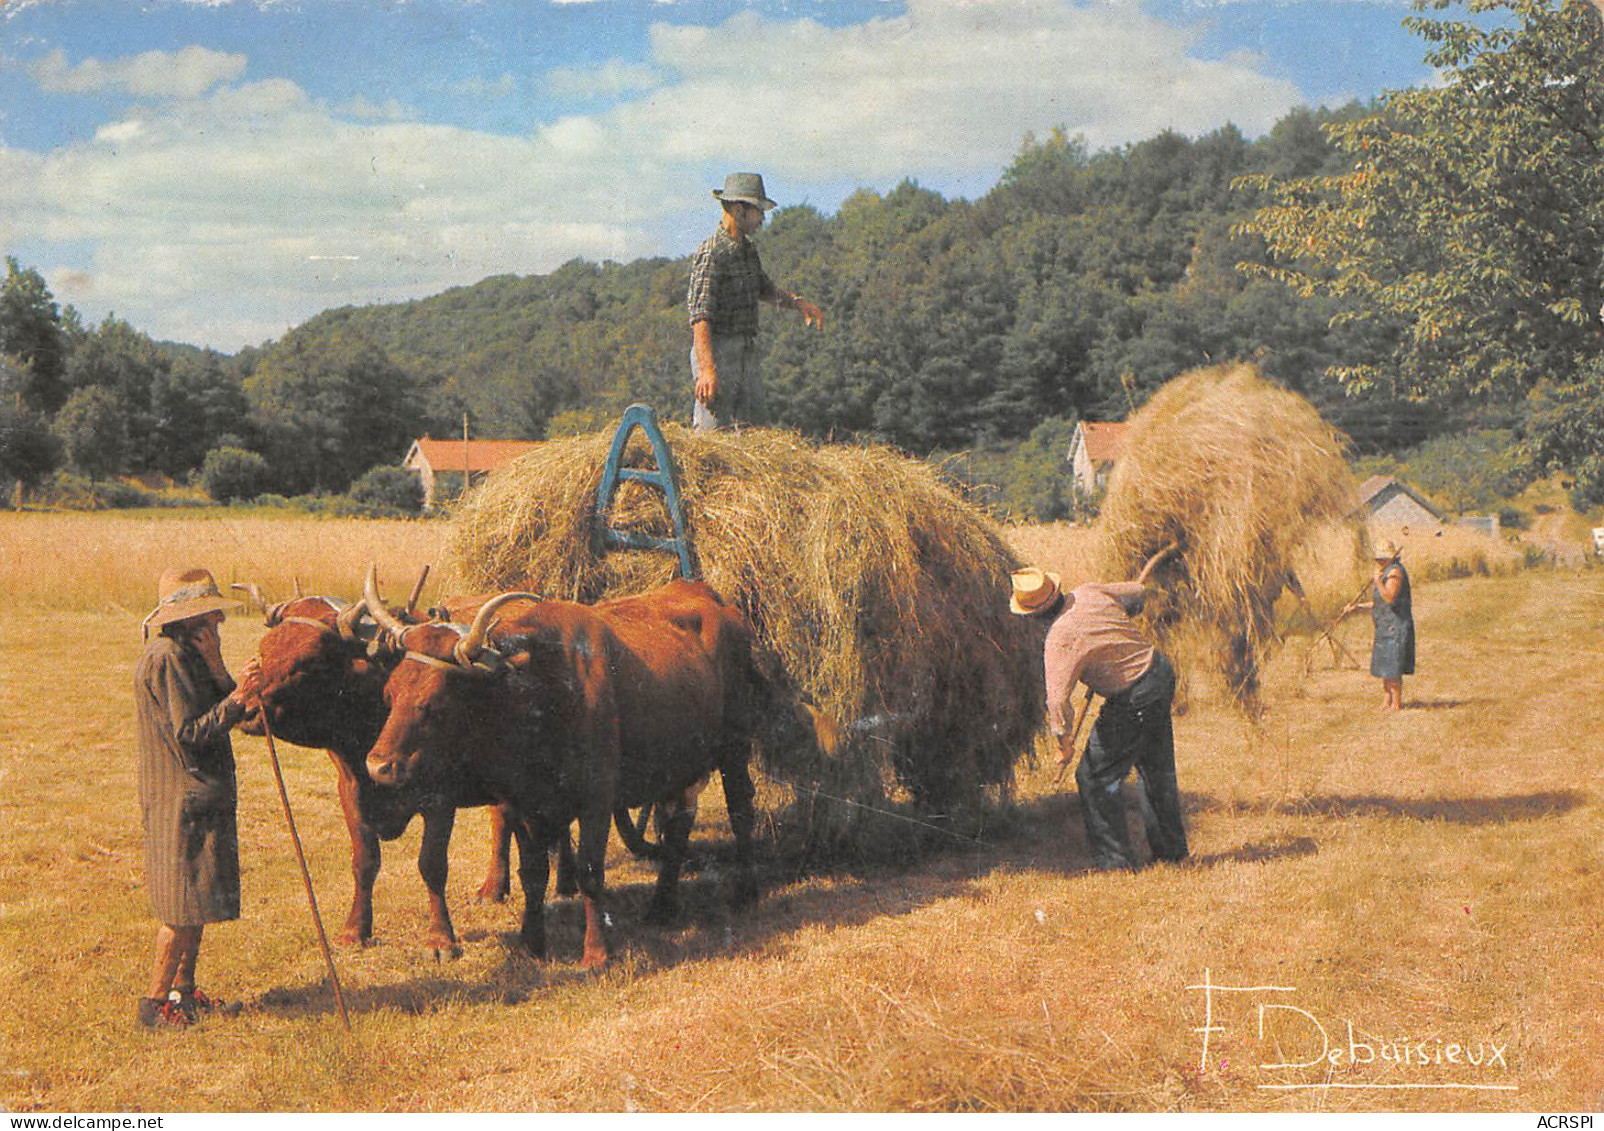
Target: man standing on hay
<point x="727" y="283"/>
<point x="1093" y="641"/>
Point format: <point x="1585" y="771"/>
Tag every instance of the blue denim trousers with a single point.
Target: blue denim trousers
<point x="1133" y="730"/>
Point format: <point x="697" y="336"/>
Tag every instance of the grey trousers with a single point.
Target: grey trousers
<point x="740" y="398"/>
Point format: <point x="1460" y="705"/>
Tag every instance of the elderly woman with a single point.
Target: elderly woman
<point x="186" y="703"/>
<point x="1392" y="656"/>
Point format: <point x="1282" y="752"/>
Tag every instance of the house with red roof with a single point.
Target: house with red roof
<point x="1092" y="451"/>
<point x="444" y="465"/>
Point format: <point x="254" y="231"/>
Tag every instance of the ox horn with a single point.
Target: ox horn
<point x="417" y="590"/>
<point x="345" y="621"/>
<point x="375" y="605"/>
<point x="473" y="645"/>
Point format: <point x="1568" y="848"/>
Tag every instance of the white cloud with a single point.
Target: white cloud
<point x="610" y="79"/>
<point x="949" y="88"/>
<point x="390" y="110"/>
<point x="258" y="207"/>
<point x="485" y="88"/>
<point x="187" y="73"/>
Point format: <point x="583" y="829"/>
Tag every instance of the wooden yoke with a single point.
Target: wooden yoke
<point x="664" y="479"/>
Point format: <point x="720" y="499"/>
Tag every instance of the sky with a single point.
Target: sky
<point x="218" y="171"/>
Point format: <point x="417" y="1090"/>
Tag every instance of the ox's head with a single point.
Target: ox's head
<point x="437" y="696"/>
<point x="319" y="686"/>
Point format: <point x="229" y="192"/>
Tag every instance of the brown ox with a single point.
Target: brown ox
<point x="321" y="689"/>
<point x="566" y="712"/>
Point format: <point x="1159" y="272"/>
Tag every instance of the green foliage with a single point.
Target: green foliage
<point x="1467" y="232"/>
<point x="233" y="474"/>
<point x="388" y="489"/>
<point x="93" y="428"/>
<point x="1568" y="423"/>
<point x="1470" y="470"/>
<point x="29" y="450"/>
<point x="75" y="492"/>
<point x="330" y="405"/>
<point x="1039" y="485"/>
<point x="31" y="342"/>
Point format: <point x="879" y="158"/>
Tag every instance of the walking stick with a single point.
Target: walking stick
<point x="300" y="856"/>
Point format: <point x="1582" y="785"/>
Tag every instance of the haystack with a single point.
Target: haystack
<point x="874" y="591"/>
<point x="1242" y="475"/>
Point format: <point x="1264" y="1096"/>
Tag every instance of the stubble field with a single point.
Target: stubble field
<point x="1406" y="912"/>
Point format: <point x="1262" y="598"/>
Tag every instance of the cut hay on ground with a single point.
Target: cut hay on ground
<point x="1241" y="474"/>
<point x="874" y="592"/>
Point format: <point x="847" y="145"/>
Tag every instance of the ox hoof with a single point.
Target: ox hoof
<point x="352" y="939"/>
<point x="442" y="947"/>
<point x="594" y="960"/>
<point x="493" y="890"/>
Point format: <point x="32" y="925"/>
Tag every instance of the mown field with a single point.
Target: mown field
<point x="1421" y="893"/>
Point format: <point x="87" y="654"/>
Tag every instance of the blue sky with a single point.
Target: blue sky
<point x="216" y="171"/>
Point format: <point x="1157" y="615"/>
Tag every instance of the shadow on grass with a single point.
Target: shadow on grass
<point x="1288" y="849"/>
<point x="1446" y="704"/>
<point x="1043" y="834"/>
<point x="1456" y="810"/>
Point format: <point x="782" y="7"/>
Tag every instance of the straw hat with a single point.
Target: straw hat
<point x="185" y="593"/>
<point x="1034" y="591"/>
<point x="1386" y="550"/>
<point x="747" y="188"/>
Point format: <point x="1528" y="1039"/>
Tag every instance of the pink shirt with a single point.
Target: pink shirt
<point x="1094" y="642"/>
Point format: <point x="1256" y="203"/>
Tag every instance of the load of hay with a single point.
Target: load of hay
<point x="874" y="591"/>
<point x="1242" y="476"/>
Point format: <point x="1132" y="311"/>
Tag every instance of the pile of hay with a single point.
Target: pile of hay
<point x="1241" y="474"/>
<point x="875" y="592"/>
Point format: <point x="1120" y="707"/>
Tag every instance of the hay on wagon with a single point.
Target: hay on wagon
<point x="874" y="591"/>
<point x="1243" y="476"/>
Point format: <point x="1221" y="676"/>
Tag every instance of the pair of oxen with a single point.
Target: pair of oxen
<point x="554" y="712"/>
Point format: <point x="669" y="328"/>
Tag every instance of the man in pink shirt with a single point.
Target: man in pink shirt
<point x="1092" y="640"/>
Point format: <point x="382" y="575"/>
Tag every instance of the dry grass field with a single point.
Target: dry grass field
<point x="1420" y="893"/>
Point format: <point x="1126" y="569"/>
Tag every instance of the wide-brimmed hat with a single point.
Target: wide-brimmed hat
<point x="1035" y="591"/>
<point x="185" y="593"/>
<point x="1385" y="550"/>
<point x="747" y="188"/>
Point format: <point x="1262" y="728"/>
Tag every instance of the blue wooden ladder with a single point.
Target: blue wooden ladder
<point x="663" y="479"/>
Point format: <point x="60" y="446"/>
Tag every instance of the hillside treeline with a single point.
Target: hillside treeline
<point x="1074" y="288"/>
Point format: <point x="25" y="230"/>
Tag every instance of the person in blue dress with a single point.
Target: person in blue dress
<point x="1392" y="656"/>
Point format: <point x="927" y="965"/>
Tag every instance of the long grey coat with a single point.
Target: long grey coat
<point x="186" y="785"/>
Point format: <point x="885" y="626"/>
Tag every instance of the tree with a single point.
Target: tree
<point x="1471" y="220"/>
<point x="1469" y="470"/>
<point x="1567" y="421"/>
<point x="388" y="488"/>
<point x="94" y="432"/>
<point x="1469" y="226"/>
<point x="29" y="451"/>
<point x="331" y="405"/>
<point x="1039" y="485"/>
<point x="231" y="474"/>
<point x="31" y="339"/>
